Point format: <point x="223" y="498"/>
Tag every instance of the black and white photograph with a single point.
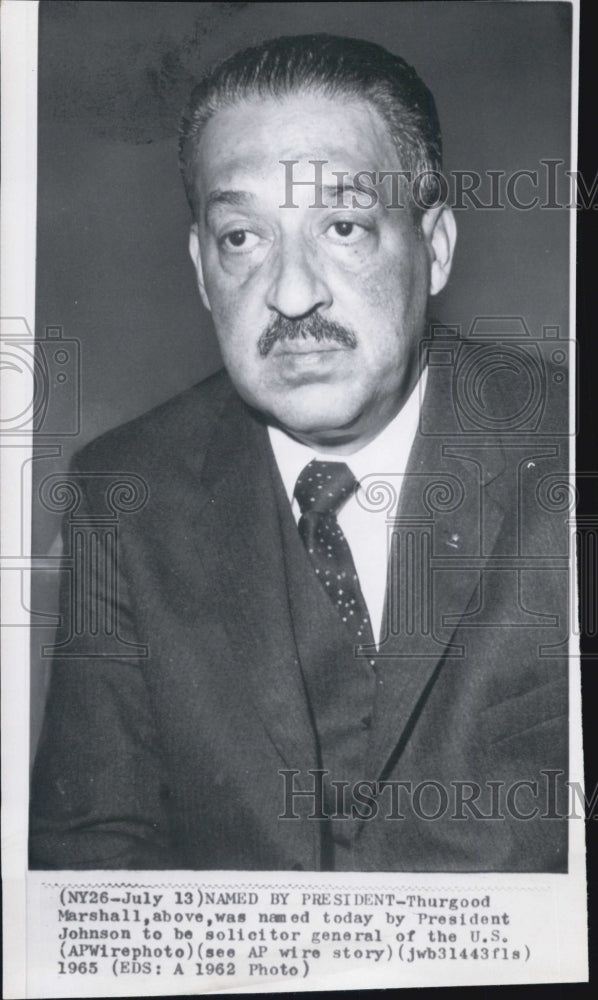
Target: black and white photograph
<point x="298" y="574"/>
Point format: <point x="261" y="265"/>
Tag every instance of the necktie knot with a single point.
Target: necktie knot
<point x="323" y="487"/>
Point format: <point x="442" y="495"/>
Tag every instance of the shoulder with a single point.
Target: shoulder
<point x="165" y="435"/>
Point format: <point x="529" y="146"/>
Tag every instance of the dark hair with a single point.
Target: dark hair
<point x="327" y="65"/>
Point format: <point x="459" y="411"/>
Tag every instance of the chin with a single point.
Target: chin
<point x="314" y="423"/>
<point x="315" y="409"/>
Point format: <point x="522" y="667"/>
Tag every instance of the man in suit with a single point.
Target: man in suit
<point x="347" y="587"/>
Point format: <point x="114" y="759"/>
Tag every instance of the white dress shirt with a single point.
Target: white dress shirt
<point x="365" y="527"/>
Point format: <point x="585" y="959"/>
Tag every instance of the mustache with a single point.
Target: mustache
<point x="281" y="328"/>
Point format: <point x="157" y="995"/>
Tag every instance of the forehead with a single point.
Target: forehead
<point x="249" y="139"/>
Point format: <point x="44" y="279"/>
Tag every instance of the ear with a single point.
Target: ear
<point x="195" y="252"/>
<point x="440" y="232"/>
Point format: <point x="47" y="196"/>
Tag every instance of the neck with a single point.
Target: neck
<point x="341" y="442"/>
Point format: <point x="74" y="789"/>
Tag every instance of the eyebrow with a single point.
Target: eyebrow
<point x="238" y="199"/>
<point x="340" y="186"/>
<point x="245" y="199"/>
<point x="233" y="197"/>
<point x="343" y="187"/>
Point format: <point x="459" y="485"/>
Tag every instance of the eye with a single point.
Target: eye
<point x="343" y="228"/>
<point x="344" y="232"/>
<point x="239" y="241"/>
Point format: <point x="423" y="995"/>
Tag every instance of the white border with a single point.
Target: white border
<point x="18" y="237"/>
<point x="17" y="297"/>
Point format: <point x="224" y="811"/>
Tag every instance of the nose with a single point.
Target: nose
<point x="298" y="287"/>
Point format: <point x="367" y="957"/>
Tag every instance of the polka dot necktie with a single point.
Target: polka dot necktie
<point x="321" y="490"/>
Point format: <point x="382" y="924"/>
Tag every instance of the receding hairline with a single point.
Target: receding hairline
<point x="334" y="67"/>
<point x="306" y="154"/>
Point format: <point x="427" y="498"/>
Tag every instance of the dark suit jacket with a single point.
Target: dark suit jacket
<point x="171" y="758"/>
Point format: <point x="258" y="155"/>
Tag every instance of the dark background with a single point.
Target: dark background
<point x="112" y="263"/>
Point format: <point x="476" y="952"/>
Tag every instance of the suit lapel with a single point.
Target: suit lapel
<point x="447" y="526"/>
<point x="241" y="552"/>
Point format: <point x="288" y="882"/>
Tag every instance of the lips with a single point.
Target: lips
<point x="305" y="351"/>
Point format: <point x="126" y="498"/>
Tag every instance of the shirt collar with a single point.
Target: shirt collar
<point x="387" y="454"/>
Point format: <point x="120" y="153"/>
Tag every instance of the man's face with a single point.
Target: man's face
<point x="350" y="284"/>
